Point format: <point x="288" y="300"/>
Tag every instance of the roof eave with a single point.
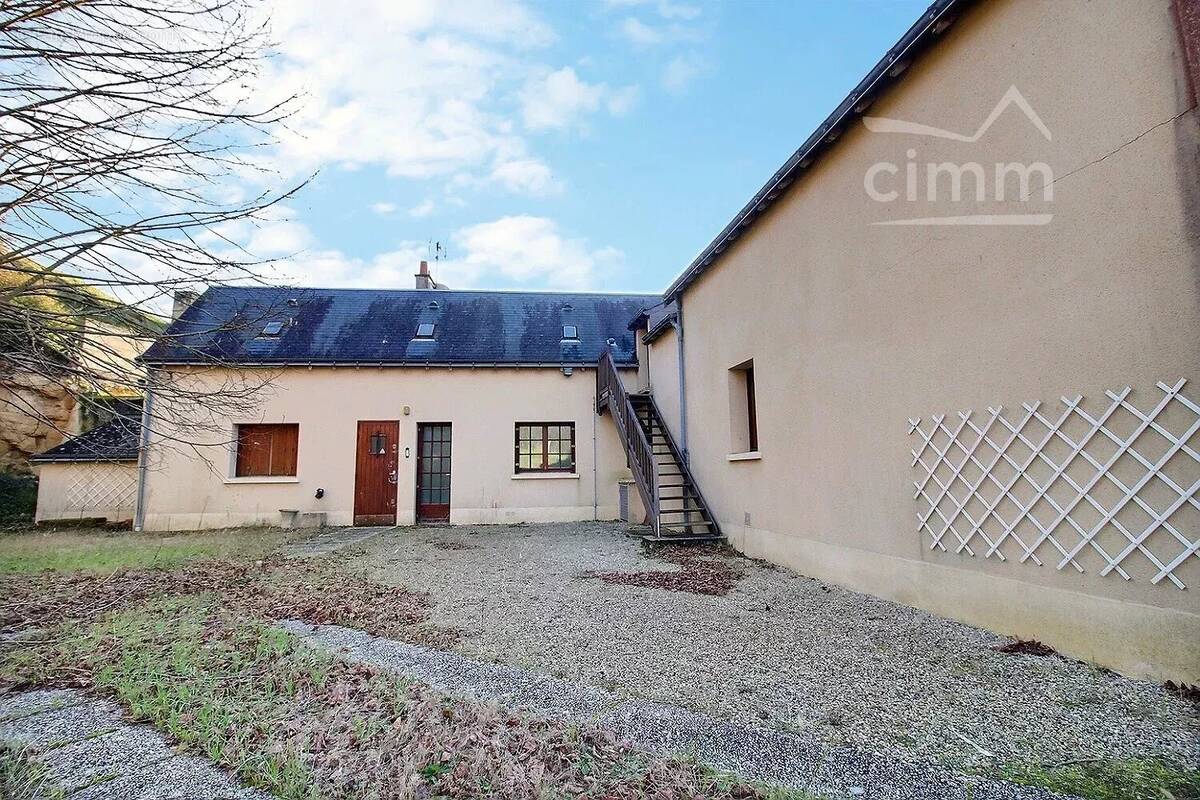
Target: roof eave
<point x="632" y="364"/>
<point x="663" y="325"/>
<point x="83" y="459"/>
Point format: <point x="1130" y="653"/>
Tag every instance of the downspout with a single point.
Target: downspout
<point x="683" y="425"/>
<point x="139" y="512"/>
<point x="595" y="464"/>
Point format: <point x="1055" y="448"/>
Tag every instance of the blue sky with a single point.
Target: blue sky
<point x="548" y="145"/>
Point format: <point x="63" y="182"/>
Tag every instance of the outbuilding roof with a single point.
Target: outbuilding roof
<point x="114" y="441"/>
<point x="280" y="325"/>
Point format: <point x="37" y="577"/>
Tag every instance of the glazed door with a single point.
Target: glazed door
<point x="375" y="472"/>
<point x="433" y="472"/>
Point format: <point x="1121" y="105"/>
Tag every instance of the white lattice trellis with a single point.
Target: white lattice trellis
<point x="97" y="487"/>
<point x="1095" y="487"/>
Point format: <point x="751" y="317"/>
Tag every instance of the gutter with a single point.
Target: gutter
<point x="380" y="364"/>
<point x="658" y="330"/>
<point x="82" y="460"/>
<point x="139" y="511"/>
<point x="935" y="21"/>
<point x="677" y="322"/>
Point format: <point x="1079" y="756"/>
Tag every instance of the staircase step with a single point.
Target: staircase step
<point x="683" y="539"/>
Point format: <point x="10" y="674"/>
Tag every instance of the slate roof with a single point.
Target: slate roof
<point x="114" y="441"/>
<point x="323" y="326"/>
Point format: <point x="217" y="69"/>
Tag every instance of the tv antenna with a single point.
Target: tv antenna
<point x="437" y="251"/>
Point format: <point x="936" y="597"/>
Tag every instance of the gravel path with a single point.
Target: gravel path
<point x="779" y="650"/>
<point x="91" y="753"/>
<point x="750" y="752"/>
<point x="332" y="539"/>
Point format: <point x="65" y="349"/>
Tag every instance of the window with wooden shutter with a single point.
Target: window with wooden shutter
<point x="267" y="450"/>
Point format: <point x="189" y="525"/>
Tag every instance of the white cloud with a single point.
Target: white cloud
<point x="423" y="89"/>
<point x="670" y="10"/>
<point x="527" y="176"/>
<point x="681" y="71"/>
<point x="559" y="98"/>
<point x="516" y="250"/>
<point x="331" y="268"/>
<point x="279" y="238"/>
<point x="384" y="209"/>
<point x="666" y="9"/>
<point x="620" y="101"/>
<point x="422" y="209"/>
<point x="639" y="32"/>
<point x="526" y="249"/>
<point x="658" y="22"/>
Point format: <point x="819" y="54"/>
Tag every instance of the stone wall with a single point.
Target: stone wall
<point x="34" y="413"/>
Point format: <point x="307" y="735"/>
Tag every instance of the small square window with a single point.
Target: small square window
<point x="266" y="450"/>
<point x="425" y="330"/>
<point x="570" y="332"/>
<point x="272" y="329"/>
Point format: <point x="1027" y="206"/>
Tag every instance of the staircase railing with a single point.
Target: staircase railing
<point x="682" y="463"/>
<point x="611" y="394"/>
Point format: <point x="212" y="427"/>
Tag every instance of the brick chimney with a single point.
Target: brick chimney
<point x="180" y="302"/>
<point x="424" y="279"/>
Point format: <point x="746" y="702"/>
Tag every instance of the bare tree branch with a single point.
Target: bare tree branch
<point x="128" y="130"/>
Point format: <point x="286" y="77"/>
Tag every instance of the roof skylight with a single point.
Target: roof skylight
<point x="425" y="330"/>
<point x="570" y="332"/>
<point x="272" y="329"/>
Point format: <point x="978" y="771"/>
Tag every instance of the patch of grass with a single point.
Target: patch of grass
<point x="22" y="777"/>
<point x="306" y="725"/>
<point x="31" y="550"/>
<point x="729" y="783"/>
<point x="318" y="591"/>
<point x="1110" y="779"/>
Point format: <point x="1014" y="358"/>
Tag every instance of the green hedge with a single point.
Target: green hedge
<point x="18" y="498"/>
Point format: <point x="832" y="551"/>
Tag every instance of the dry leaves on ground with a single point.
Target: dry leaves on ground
<point x="703" y="569"/>
<point x="317" y="591"/>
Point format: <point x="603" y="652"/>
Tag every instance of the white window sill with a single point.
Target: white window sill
<point x="263" y="479"/>
<point x="752" y="455"/>
<point x="546" y="476"/>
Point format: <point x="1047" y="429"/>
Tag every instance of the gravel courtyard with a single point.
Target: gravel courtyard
<point x="778" y="649"/>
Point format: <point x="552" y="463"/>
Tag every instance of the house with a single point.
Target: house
<point x="987" y="408"/>
<point x="947" y="355"/>
<point x="389" y="406"/>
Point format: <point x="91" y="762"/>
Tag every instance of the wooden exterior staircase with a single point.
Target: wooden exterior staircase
<point x="675" y="508"/>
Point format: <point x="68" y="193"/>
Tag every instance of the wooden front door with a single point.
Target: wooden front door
<point x="375" y="472"/>
<point x="433" y="472"/>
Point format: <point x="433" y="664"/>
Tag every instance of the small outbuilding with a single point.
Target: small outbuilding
<point x="92" y="476"/>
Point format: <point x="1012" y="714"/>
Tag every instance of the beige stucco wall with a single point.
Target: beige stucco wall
<point x="86" y="490"/>
<point x="663" y="359"/>
<point x="855" y="328"/>
<point x="189" y="488"/>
